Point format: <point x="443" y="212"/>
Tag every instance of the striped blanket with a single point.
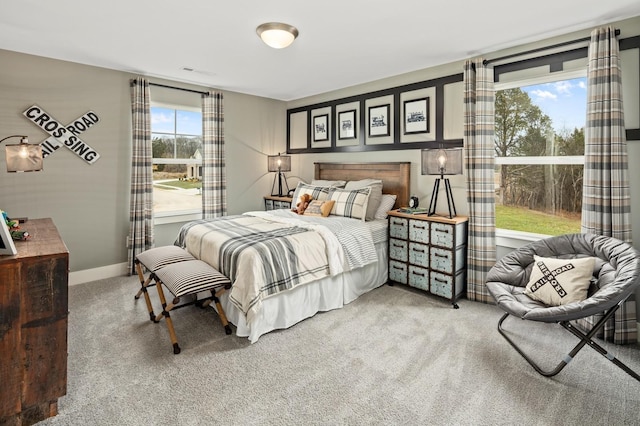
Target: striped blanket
<point x="264" y="254"/>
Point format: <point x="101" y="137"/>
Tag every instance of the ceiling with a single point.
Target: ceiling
<point x="341" y="43"/>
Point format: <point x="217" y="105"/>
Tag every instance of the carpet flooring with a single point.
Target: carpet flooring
<point x="395" y="356"/>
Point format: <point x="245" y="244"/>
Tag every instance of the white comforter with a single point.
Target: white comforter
<point x="264" y="253"/>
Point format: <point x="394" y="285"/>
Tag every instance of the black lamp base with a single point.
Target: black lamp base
<point x="278" y="177"/>
<point x="434" y="197"/>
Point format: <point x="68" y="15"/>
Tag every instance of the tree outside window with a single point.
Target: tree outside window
<point x="539" y="148"/>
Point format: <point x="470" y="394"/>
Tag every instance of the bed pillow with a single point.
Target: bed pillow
<point x="386" y="203"/>
<point x="374" y="198"/>
<point x="319" y="208"/>
<point x="316" y="192"/>
<point x="332" y="183"/>
<point x="556" y="282"/>
<point x="350" y="203"/>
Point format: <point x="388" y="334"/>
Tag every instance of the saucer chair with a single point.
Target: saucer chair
<point x="615" y="276"/>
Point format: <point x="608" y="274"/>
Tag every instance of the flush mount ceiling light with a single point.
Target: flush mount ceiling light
<point x="277" y="34"/>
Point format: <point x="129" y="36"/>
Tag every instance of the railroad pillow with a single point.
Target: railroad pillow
<point x="556" y="282"/>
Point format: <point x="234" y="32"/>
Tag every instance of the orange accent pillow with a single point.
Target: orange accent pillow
<point x="319" y="208"/>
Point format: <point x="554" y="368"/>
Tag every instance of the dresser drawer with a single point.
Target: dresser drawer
<point x="441" y="285"/>
<point x="419" y="254"/>
<point x="441" y="260"/>
<point x="398" y="249"/>
<point x="419" y="277"/>
<point x="281" y="205"/>
<point x="398" y="227"/>
<point x="268" y="204"/>
<point x="398" y="272"/>
<point x="442" y="234"/>
<point x="419" y="231"/>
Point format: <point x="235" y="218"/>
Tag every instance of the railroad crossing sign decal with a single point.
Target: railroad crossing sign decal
<point x="64" y="135"/>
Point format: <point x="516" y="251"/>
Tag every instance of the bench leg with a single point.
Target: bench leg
<point x="167" y="316"/>
<point x="143" y="290"/>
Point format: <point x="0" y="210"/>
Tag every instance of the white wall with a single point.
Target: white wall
<point x="90" y="203"/>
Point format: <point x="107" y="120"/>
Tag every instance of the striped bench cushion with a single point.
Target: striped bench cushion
<point x="156" y="258"/>
<point x="191" y="277"/>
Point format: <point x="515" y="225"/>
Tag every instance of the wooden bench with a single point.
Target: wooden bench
<point x="182" y="274"/>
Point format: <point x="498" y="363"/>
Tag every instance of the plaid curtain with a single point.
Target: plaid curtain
<point x="214" y="181"/>
<point x="606" y="202"/>
<point x="141" y="205"/>
<point x="479" y="119"/>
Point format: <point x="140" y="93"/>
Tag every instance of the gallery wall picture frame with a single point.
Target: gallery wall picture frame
<point x="321" y="128"/>
<point x="379" y="121"/>
<point x="416" y="116"/>
<point x="6" y="242"/>
<point x="347" y="125"/>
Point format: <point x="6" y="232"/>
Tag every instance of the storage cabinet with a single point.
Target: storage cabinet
<point x="273" y="202"/>
<point x="429" y="253"/>
<point x="33" y="326"/>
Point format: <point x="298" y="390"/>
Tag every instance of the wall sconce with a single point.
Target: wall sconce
<point x="23" y="157"/>
<point x="279" y="163"/>
<point x="443" y="161"/>
<point x="277" y="34"/>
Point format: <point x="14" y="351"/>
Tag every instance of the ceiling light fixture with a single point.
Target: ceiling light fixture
<point x="277" y="34"/>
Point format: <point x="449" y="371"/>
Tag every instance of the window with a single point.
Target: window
<point x="540" y="154"/>
<point x="176" y="136"/>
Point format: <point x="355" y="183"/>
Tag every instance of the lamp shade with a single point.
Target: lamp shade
<point x="443" y="161"/>
<point x="277" y="34"/>
<point x="279" y="163"/>
<point x="23" y="157"/>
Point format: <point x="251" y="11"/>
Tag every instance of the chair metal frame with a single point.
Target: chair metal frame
<point x="585" y="339"/>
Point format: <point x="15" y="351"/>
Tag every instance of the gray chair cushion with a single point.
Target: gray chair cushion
<point x="615" y="276"/>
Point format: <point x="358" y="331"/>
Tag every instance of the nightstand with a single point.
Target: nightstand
<point x="273" y="202"/>
<point x="429" y="253"/>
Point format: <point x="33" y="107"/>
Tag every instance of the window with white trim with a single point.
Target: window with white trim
<point x="539" y="147"/>
<point x="176" y="135"/>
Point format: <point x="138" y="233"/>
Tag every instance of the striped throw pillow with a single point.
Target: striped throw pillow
<point x="316" y="192"/>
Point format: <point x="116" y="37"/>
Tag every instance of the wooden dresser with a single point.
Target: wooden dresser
<point x="33" y="326"/>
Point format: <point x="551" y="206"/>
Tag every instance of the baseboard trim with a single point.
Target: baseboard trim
<point x="88" y="275"/>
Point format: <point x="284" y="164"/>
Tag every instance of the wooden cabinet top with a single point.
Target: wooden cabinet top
<point x="277" y="198"/>
<point x="435" y="218"/>
<point x="45" y="241"/>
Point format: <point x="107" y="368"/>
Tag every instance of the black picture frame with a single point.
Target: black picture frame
<point x="416" y="116"/>
<point x="379" y="125"/>
<point x="321" y="128"/>
<point x="347" y="128"/>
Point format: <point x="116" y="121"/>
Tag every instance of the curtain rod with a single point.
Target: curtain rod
<point x="177" y="88"/>
<point x="542" y="49"/>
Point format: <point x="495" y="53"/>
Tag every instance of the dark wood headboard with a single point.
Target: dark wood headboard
<point x="395" y="176"/>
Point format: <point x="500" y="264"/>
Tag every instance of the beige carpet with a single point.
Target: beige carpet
<point x="394" y="356"/>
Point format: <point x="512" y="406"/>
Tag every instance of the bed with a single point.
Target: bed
<point x="287" y="267"/>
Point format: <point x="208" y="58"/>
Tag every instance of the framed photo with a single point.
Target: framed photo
<point x="416" y="116"/>
<point x="347" y="124"/>
<point x="321" y="128"/>
<point x="6" y="242"/>
<point x="379" y="121"/>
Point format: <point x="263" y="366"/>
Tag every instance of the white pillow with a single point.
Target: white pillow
<point x="374" y="198"/>
<point x="316" y="192"/>
<point x="333" y="183"/>
<point x="350" y="203"/>
<point x="556" y="282"/>
<point x="386" y="204"/>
